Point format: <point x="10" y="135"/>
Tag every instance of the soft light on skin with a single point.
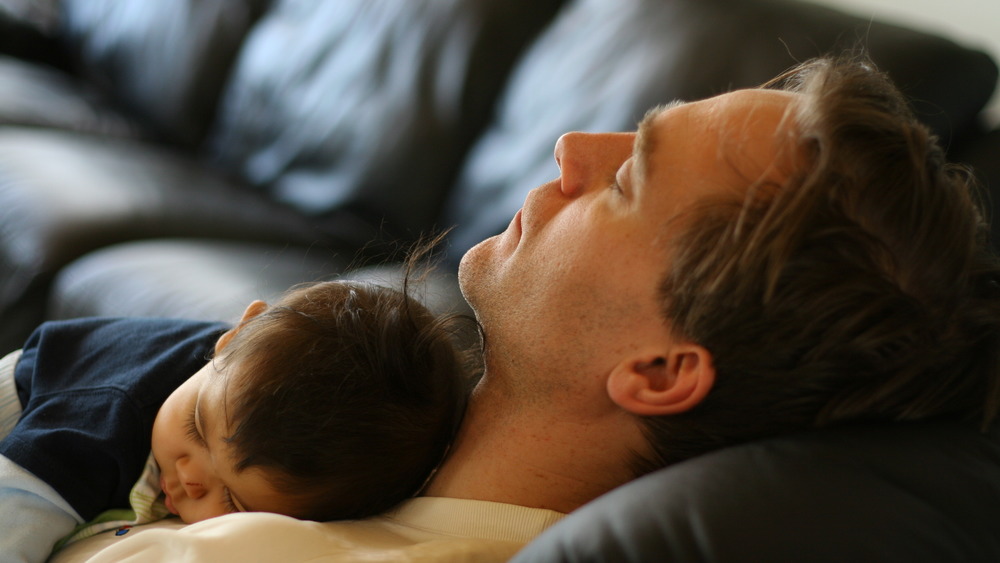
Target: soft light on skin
<point x="572" y="284"/>
<point x="568" y="296"/>
<point x="197" y="465"/>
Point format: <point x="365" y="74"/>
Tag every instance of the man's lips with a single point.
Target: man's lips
<point x="166" y="497"/>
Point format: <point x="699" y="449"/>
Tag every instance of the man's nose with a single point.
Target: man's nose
<point x="588" y="159"/>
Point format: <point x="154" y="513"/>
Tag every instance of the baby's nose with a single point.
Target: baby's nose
<point x="192" y="477"/>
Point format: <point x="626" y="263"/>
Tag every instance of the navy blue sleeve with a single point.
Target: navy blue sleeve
<point x="91" y="389"/>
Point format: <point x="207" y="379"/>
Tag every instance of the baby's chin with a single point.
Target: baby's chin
<point x="167" y="500"/>
<point x="172" y="508"/>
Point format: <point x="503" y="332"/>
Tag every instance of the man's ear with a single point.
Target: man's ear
<point x="660" y="384"/>
<point x="252" y="310"/>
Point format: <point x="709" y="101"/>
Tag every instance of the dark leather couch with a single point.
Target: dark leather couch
<point x="184" y="157"/>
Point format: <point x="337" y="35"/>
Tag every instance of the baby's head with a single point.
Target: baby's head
<point x="336" y="402"/>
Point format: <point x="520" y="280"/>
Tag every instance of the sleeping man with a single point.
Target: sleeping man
<point x="754" y="264"/>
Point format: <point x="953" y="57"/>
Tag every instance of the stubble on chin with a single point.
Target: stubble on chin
<point x="476" y="274"/>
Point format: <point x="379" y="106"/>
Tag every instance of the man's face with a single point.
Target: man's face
<point x="572" y="283"/>
<point x="197" y="468"/>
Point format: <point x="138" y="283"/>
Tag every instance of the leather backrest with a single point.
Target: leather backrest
<point x="165" y="61"/>
<point x="365" y="109"/>
<point x="925" y="492"/>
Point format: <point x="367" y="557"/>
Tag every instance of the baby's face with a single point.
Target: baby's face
<point x="197" y="469"/>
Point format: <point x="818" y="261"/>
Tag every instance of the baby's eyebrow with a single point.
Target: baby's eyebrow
<point x="200" y="417"/>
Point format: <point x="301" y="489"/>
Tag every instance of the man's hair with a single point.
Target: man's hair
<point x="348" y="395"/>
<point x="863" y="288"/>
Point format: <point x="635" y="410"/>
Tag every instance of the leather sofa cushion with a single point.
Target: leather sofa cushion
<point x="217" y="279"/>
<point x="108" y="190"/>
<point x="63" y="195"/>
<point x="603" y="63"/>
<point x="165" y="61"/>
<point x="922" y="492"/>
<point x="42" y="96"/>
<point x="185" y="278"/>
<point x="368" y="106"/>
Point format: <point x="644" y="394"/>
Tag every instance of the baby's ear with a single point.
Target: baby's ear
<point x="252" y="310"/>
<point x="669" y="382"/>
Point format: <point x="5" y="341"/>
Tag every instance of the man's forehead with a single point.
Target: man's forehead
<point x="736" y="117"/>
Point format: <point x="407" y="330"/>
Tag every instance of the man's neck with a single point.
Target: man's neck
<point x="528" y="457"/>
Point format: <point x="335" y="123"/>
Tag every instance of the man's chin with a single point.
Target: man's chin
<point x="464" y="277"/>
<point x="476" y="269"/>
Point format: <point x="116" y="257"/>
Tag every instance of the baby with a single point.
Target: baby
<point x="336" y="402"/>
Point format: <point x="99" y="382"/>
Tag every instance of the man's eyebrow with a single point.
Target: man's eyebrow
<point x="645" y="139"/>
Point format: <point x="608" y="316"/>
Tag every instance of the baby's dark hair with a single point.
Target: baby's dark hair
<point x="348" y="395"/>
